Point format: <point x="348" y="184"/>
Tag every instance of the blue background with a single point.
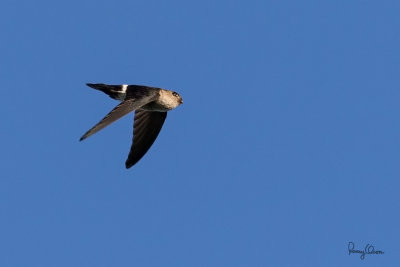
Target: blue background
<point x="285" y="149"/>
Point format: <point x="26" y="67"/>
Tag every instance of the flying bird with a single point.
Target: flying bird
<point x="150" y="104"/>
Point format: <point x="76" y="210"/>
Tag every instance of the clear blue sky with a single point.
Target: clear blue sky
<point x="286" y="147"/>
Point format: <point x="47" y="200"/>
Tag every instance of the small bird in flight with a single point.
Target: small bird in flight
<point x="150" y="105"/>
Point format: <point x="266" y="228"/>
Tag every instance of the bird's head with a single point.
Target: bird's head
<point x="178" y="97"/>
<point x="169" y="99"/>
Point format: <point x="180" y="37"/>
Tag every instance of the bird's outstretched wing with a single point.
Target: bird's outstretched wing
<point x="147" y="126"/>
<point x="125" y="107"/>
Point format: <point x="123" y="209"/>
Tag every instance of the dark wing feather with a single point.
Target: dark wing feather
<point x="118" y="112"/>
<point x="147" y="126"/>
<point x="121" y="110"/>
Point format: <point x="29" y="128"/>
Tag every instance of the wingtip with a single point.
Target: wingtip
<point x="128" y="165"/>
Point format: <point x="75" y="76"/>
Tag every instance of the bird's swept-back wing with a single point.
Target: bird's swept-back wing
<point x="121" y="110"/>
<point x="147" y="126"/>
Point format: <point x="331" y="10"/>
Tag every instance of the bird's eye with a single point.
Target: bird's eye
<point x="174" y="93"/>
